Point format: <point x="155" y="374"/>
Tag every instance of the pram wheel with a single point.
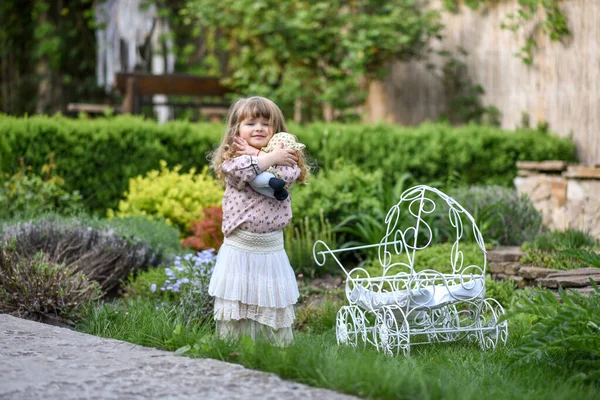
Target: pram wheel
<point x="392" y="331"/>
<point x="350" y="324"/>
<point x="492" y="332"/>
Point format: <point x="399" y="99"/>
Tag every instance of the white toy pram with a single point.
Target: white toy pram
<point x="405" y="306"/>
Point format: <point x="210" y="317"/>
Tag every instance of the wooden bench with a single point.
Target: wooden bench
<point x="138" y="87"/>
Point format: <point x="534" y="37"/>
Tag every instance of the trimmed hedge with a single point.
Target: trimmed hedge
<point x="432" y="152"/>
<point x="97" y="157"/>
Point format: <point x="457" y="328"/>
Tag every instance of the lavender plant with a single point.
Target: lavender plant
<point x="102" y="254"/>
<point x="187" y="281"/>
<point x="502" y="215"/>
<point x="38" y="288"/>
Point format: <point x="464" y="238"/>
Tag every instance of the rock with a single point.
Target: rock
<point x="583" y="171"/>
<point x="575" y="191"/>
<point x="508" y="268"/>
<point x="528" y="272"/>
<point x="497" y="268"/>
<point x="499" y="277"/>
<point x="526" y="172"/>
<point x="568" y="279"/>
<point x="541" y="192"/>
<point x="548" y="165"/>
<point x="558" y="191"/>
<point x="505" y="254"/>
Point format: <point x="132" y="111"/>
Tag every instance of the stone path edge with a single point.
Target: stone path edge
<point x="39" y="361"/>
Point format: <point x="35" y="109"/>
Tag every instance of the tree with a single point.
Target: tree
<point x="323" y="52"/>
<point x="47" y="54"/>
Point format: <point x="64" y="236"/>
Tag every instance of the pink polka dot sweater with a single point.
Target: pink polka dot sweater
<point x="246" y="209"/>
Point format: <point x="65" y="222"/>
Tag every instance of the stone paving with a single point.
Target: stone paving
<point x="39" y="361"/>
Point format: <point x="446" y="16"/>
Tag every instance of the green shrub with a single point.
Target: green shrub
<point x="182" y="287"/>
<point x="99" y="156"/>
<point x="160" y="236"/>
<point x="591" y="258"/>
<point x="337" y="194"/>
<point x="191" y="277"/>
<point x="177" y="198"/>
<point x="558" y="240"/>
<point x="299" y="239"/>
<point x="501" y="214"/>
<point x="548" y="250"/>
<point x="26" y="194"/>
<point x="502" y="291"/>
<point x="35" y="287"/>
<point x="147" y="284"/>
<point x="565" y="326"/>
<point x="481" y="155"/>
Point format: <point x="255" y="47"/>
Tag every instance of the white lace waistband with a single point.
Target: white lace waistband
<point x="255" y="242"/>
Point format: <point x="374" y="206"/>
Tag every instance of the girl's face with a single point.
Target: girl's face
<point x="256" y="131"/>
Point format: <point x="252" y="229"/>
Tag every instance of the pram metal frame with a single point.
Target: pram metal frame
<point x="396" y="310"/>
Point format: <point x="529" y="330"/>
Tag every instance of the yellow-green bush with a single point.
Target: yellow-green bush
<point x="177" y="197"/>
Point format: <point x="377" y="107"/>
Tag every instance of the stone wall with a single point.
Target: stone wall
<point x="505" y="264"/>
<point x="568" y="196"/>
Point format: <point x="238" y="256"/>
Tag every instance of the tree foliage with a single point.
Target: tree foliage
<point x="322" y="51"/>
<point x="47" y="54"/>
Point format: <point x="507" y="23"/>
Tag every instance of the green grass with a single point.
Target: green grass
<point x="551" y="249"/>
<point x="142" y="322"/>
<point x="442" y="371"/>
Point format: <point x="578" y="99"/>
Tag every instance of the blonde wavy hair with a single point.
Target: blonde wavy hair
<point x="251" y="107"/>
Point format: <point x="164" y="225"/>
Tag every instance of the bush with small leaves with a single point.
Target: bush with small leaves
<point x="502" y="215"/>
<point x="338" y="193"/>
<point x="26" y="194"/>
<point x="192" y="279"/>
<point x="177" y="197"/>
<point x="207" y="232"/>
<point x="502" y="291"/>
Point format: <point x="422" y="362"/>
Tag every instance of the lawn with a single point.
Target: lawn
<point x="453" y="371"/>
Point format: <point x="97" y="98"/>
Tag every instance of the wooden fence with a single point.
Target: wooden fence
<point x="562" y="87"/>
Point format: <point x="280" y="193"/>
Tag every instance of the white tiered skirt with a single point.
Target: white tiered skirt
<point x="254" y="288"/>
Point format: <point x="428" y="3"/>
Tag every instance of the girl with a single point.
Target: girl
<point x="253" y="283"/>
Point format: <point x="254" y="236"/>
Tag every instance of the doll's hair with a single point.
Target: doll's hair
<point x="244" y="108"/>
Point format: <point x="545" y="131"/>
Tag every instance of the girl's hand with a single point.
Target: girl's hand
<point x="284" y="157"/>
<point x="243" y="148"/>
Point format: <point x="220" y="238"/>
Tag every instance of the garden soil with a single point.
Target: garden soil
<point x="39" y="361"/>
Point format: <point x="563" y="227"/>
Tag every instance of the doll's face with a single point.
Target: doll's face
<point x="256" y="131"/>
